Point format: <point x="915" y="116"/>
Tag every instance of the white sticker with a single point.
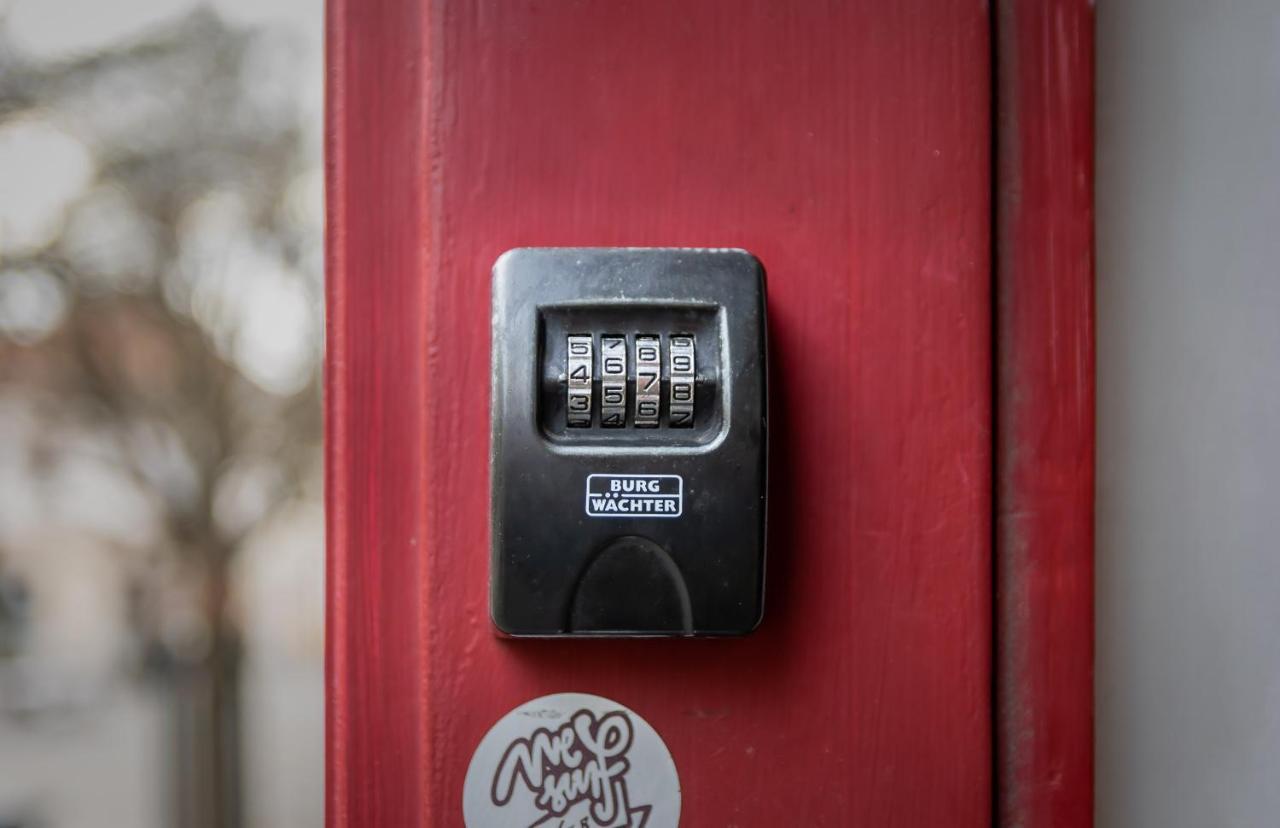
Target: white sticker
<point x="571" y="760"/>
<point x="635" y="495"/>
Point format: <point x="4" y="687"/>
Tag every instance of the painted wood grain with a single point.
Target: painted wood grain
<point x="847" y="145"/>
<point x="1045" y="393"/>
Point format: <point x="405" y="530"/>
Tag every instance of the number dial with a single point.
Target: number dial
<point x="578" y="370"/>
<point x="648" y="381"/>
<point x="613" y="381"/>
<point x="680" y="371"/>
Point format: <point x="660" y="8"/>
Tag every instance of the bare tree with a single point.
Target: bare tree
<point x="166" y="275"/>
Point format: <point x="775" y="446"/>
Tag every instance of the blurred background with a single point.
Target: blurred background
<point x="161" y="538"/>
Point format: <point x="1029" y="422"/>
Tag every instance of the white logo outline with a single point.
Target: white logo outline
<point x="635" y="497"/>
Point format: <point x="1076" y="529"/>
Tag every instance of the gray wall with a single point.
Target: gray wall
<point x="1188" y="555"/>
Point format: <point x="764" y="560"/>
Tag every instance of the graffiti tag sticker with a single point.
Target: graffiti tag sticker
<point x="571" y="760"/>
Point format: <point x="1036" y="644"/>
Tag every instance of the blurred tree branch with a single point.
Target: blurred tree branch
<point x="152" y="361"/>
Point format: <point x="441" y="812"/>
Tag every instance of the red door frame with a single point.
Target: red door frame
<point x="1044" y="412"/>
<point x="384" y="420"/>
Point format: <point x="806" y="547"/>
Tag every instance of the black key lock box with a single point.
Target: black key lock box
<point x="628" y="453"/>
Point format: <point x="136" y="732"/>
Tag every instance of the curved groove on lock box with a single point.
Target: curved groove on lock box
<point x="631" y="584"/>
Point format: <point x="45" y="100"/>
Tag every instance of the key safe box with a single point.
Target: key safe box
<point x="628" y="450"/>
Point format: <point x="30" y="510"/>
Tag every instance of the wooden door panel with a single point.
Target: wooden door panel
<point x="846" y="145"/>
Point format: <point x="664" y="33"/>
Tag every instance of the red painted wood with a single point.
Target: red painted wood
<point x="847" y="145"/>
<point x="377" y="400"/>
<point x="1045" y="392"/>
